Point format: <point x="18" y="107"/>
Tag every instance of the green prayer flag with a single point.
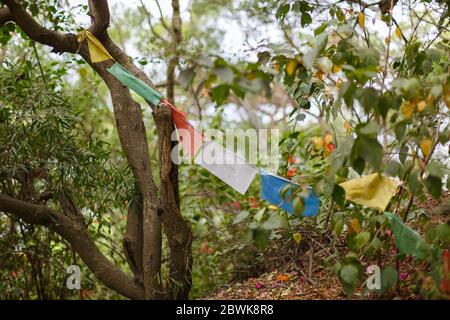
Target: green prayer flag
<point x="407" y="239"/>
<point x="140" y="87"/>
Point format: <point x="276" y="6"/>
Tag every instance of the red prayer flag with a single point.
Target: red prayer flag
<point x="191" y="139"/>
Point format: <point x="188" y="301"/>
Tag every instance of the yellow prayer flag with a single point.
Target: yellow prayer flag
<point x="373" y="191"/>
<point x="97" y="51"/>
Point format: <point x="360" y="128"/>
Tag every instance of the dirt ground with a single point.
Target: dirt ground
<point x="289" y="282"/>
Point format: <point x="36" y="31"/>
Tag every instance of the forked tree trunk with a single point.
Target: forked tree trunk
<point x="153" y="208"/>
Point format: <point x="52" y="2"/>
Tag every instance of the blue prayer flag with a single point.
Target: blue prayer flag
<point x="272" y="185"/>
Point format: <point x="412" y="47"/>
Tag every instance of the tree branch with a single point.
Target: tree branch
<point x="99" y="12"/>
<point x="5" y="16"/>
<point x="76" y="234"/>
<point x="176" y="40"/>
<point x="60" y="42"/>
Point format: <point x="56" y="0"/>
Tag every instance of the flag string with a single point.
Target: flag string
<point x="240" y="175"/>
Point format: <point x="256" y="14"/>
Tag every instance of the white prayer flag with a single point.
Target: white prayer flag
<point x="226" y="165"/>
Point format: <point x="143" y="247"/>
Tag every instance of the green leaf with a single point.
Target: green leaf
<point x="370" y="150"/>
<point x="322" y="40"/>
<point x="306" y="19"/>
<point x="434" y="186"/>
<point x="224" y="73"/>
<point x="241" y="217"/>
<point x="361" y="239"/>
<point x="339" y="195"/>
<point x="275" y="222"/>
<point x="393" y="168"/>
<point x="435" y="169"/>
<point x="436" y="91"/>
<point x="261" y="237"/>
<point x="413" y="182"/>
<point x="389" y="277"/>
<point x="282" y="11"/>
<point x="298" y="206"/>
<point x="370" y="129"/>
<point x="350" y="274"/>
<point x="400" y="130"/>
<point x="220" y="93"/>
<point x="369" y="98"/>
<point x="321" y="28"/>
<point x="408" y="240"/>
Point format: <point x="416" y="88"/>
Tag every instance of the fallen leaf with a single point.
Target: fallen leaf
<point x="283" y="277"/>
<point x="297" y="237"/>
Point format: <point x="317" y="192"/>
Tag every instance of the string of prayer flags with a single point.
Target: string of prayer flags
<point x="190" y="138"/>
<point x="408" y="240"/>
<point x="97" y="51"/>
<point x="137" y="85"/>
<point x="373" y="191"/>
<point x="272" y="187"/>
<point x="226" y="165"/>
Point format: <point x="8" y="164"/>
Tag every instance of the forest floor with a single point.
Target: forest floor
<point x="290" y="281"/>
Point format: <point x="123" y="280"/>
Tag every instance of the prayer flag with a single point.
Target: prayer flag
<point x="374" y="190"/>
<point x="272" y="186"/>
<point x="408" y="240"/>
<point x="137" y="85"/>
<point x="226" y="165"/>
<point x="191" y="139"/>
<point x="97" y="51"/>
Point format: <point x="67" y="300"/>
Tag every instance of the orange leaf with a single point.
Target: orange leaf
<point x="355" y="225"/>
<point x="283" y="277"/>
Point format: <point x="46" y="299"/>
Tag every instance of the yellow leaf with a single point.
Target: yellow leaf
<point x="347" y="128"/>
<point x="387" y="40"/>
<point x="361" y="20"/>
<point x="291" y="67"/>
<point x="318" y="142"/>
<point x="297" y="237"/>
<point x="408" y="108"/>
<point x="421" y="105"/>
<point x="336" y="68"/>
<point x="328" y="138"/>
<point x="355" y="225"/>
<point x="272" y="207"/>
<point x="425" y="146"/>
<point x="398" y="32"/>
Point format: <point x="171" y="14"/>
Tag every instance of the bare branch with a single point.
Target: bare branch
<point x="60" y="42"/>
<point x="176" y="40"/>
<point x="75" y="232"/>
<point x="99" y="12"/>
